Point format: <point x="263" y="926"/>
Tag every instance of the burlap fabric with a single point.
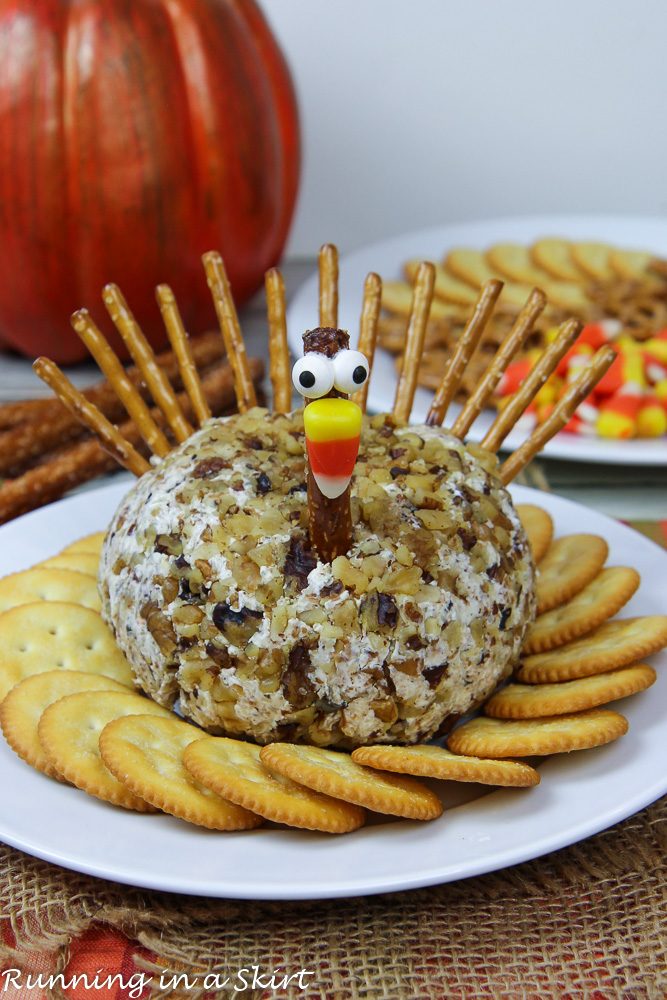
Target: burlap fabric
<point x="589" y="921"/>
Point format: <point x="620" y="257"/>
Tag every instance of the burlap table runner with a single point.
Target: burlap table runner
<point x="589" y="921"/>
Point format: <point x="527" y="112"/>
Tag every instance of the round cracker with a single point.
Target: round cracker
<point x="55" y="635"/>
<point x="81" y="562"/>
<point x="21" y="710"/>
<point x="569" y="564"/>
<point x="554" y="255"/>
<point x="233" y="769"/>
<point x="48" y="585"/>
<point x="609" y="646"/>
<point x="602" y="598"/>
<point x="339" y="775"/>
<point x="530" y="701"/>
<point x="485" y="737"/>
<point x="69" y="732"/>
<point x="538" y="526"/>
<point x="91" y="543"/>
<point x="436" y="762"/>
<point x="145" y="753"/>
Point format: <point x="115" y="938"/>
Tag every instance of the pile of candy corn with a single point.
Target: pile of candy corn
<point x="630" y="401"/>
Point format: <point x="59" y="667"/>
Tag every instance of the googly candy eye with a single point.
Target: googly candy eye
<point x="313" y="375"/>
<point x="351" y="370"/>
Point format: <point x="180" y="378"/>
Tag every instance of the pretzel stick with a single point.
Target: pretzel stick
<point x="180" y="343"/>
<point x="575" y="394"/>
<point x="465" y="348"/>
<point x="328" y="266"/>
<point x="368" y="329"/>
<point x="119" y="382"/>
<point x="422" y="296"/>
<point x="510" y="345"/>
<point x="110" y="438"/>
<point x="216" y="277"/>
<point x="533" y="382"/>
<point x="145" y="360"/>
<point x="78" y="463"/>
<point x="279" y="366"/>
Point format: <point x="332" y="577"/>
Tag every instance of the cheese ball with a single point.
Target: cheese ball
<point x="217" y="599"/>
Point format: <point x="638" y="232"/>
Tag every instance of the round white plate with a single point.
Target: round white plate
<point x="580" y="793"/>
<point x="387" y="257"/>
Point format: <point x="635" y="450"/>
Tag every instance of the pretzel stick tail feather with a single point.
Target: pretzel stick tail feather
<point x="559" y="416"/>
<point x="279" y="366"/>
<point x="142" y="353"/>
<point x="535" y="379"/>
<point x="512" y="343"/>
<point x="465" y="349"/>
<point x="368" y="330"/>
<point x="78" y="463"/>
<point x="180" y="343"/>
<point x="110" y="438"/>
<point x="414" y="344"/>
<point x="119" y="382"/>
<point x="216" y="276"/>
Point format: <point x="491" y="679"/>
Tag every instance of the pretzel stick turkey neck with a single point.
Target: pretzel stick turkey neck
<point x="329" y="520"/>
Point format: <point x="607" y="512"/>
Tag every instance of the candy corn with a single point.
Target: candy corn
<point x="652" y="418"/>
<point x="618" y="415"/>
<point x="333" y="430"/>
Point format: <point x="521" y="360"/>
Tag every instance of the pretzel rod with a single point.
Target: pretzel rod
<point x="218" y="282"/>
<point x="53" y="425"/>
<point x="510" y="345"/>
<point x="533" y="382"/>
<point x="19" y="412"/>
<point x="422" y="297"/>
<point x="328" y="266"/>
<point x="119" y="382"/>
<point x="145" y="360"/>
<point x="279" y="366"/>
<point x="465" y="348"/>
<point x="575" y="394"/>
<point x="78" y="463"/>
<point x="180" y="343"/>
<point x="368" y="329"/>
<point x="110" y="438"/>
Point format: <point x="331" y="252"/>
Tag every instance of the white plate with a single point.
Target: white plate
<point x="386" y="259"/>
<point x="580" y="793"/>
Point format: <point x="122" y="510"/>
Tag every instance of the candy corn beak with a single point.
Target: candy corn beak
<point x="333" y="429"/>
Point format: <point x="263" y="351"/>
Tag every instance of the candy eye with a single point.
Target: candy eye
<point x="351" y="370"/>
<point x="313" y="375"/>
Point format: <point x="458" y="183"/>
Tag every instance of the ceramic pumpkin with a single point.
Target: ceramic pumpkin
<point x="134" y="136"/>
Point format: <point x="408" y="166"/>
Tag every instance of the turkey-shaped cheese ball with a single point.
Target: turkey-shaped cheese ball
<point x="217" y="597"/>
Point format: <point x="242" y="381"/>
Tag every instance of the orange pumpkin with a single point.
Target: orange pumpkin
<point x="134" y="136"/>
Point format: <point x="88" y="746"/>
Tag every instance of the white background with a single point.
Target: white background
<point x="422" y="112"/>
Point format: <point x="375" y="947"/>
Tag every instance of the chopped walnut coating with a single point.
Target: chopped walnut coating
<point x="215" y="594"/>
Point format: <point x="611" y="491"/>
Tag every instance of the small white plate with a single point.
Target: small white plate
<point x="480" y="831"/>
<point x="387" y="257"/>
